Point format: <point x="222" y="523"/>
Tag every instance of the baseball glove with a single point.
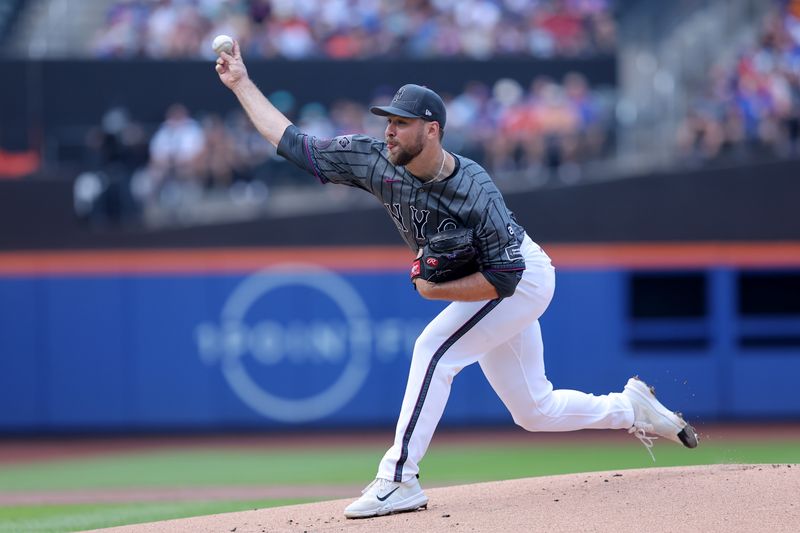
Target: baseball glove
<point x="448" y="255"/>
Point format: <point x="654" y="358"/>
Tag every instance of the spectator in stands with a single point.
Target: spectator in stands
<point x="791" y="119"/>
<point x="176" y="150"/>
<point x="218" y="157"/>
<point x="118" y="144"/>
<point x="347" y="29"/>
<point x="469" y="123"/>
<point x="121" y="36"/>
<point x="512" y="119"/>
<point x="251" y="150"/>
<point x="115" y="149"/>
<point x="701" y="135"/>
<point x="516" y="134"/>
<point x="314" y="117"/>
<point x="554" y="127"/>
<point x="592" y="125"/>
<point x="752" y="107"/>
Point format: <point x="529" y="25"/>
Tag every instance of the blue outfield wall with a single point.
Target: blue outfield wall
<point x="292" y="348"/>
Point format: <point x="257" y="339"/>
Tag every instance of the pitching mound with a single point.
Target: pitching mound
<point x="717" y="498"/>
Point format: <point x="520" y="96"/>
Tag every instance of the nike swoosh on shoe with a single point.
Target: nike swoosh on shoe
<point x="383" y="498"/>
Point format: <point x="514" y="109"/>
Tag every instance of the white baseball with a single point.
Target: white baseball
<point x="222" y="43"/>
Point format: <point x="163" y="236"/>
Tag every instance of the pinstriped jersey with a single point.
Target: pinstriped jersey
<point x="466" y="199"/>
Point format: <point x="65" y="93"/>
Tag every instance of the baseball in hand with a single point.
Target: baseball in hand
<point x="222" y="43"/>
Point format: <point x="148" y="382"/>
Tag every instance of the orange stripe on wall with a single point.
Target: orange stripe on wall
<point x="393" y="258"/>
<point x="677" y="255"/>
<point x="216" y="260"/>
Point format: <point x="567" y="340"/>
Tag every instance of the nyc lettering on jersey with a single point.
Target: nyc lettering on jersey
<point x="419" y="220"/>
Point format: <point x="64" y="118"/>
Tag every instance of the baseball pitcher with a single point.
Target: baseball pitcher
<point x="470" y="251"/>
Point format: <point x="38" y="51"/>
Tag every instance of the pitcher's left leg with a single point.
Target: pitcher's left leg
<point x="448" y="344"/>
<point x="516" y="372"/>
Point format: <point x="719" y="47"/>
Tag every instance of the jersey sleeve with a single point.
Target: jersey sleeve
<point x="497" y="240"/>
<point x="346" y="159"/>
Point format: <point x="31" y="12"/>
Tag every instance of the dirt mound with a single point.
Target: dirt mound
<point x="716" y="498"/>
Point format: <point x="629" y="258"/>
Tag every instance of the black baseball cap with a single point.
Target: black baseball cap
<point x="414" y="101"/>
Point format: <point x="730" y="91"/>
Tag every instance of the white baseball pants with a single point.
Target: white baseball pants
<point x="505" y="338"/>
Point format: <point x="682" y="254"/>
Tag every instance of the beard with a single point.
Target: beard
<point x="405" y="155"/>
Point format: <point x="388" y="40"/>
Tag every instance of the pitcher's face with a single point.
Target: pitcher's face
<point x="405" y="139"/>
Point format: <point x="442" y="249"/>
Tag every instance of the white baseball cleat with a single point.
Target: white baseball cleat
<point x="650" y="416"/>
<point x="382" y="497"/>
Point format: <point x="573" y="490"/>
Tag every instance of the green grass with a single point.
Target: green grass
<point x="58" y="518"/>
<point x="444" y="464"/>
<point x="196" y="468"/>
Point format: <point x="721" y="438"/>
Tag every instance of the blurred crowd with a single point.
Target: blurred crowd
<point x="524" y="135"/>
<point x="753" y="106"/>
<point x="543" y="132"/>
<point x="132" y="170"/>
<point x="355" y="29"/>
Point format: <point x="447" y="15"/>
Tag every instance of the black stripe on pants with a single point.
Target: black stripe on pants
<point x="460" y="332"/>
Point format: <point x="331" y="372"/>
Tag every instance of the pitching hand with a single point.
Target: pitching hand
<point x="230" y="67"/>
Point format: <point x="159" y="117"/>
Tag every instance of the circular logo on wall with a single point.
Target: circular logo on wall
<point x="293" y="342"/>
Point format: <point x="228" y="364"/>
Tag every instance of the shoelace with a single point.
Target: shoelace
<point x="382" y="482"/>
<point x="364" y="491"/>
<point x="641" y="434"/>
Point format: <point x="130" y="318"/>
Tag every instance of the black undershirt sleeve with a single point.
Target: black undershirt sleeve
<point x="504" y="281"/>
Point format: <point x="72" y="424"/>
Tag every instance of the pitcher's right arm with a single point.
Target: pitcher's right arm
<point x="269" y="122"/>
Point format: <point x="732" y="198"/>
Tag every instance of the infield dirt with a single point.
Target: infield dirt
<point x="715" y="498"/>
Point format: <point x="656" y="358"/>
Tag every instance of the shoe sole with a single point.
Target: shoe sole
<point x="405" y="507"/>
<point x="687" y="434"/>
<point x="689" y="437"/>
